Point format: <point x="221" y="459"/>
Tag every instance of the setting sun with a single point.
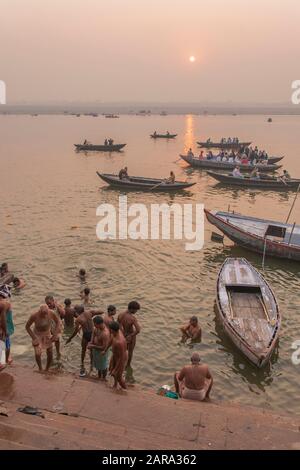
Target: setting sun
<point x="192" y="58"/>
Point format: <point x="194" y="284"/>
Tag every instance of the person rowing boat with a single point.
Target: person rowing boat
<point x="123" y="174"/>
<point x="171" y="178"/>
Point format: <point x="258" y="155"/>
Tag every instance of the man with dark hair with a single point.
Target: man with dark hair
<point x="110" y="315"/>
<point x="98" y="344"/>
<point x="69" y="314"/>
<point x="82" y="274"/>
<point x="130" y="327"/>
<point x="85" y="296"/>
<point x="191" y="331"/>
<point x="58" y="310"/>
<point x="194" y="381"/>
<point x="119" y="355"/>
<point x="84" y="322"/>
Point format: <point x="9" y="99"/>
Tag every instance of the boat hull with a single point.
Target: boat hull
<point x="254" y="242"/>
<point x="144" y="184"/>
<point x="163" y="136"/>
<point x="100" y="148"/>
<point x="212" y="164"/>
<point x="262" y="183"/>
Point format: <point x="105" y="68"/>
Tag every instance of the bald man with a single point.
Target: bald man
<point x="194" y="382"/>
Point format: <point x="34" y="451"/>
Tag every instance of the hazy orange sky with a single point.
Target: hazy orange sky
<point x="138" y="50"/>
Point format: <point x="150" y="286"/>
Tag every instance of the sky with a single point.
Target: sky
<point x="246" y="51"/>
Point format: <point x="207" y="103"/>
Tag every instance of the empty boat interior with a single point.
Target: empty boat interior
<point x="246" y="302"/>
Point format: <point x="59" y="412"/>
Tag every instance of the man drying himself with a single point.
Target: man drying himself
<point x="46" y="328"/>
<point x="5" y="307"/>
<point x="195" y="381"/>
<point x="110" y="315"/>
<point x="130" y="327"/>
<point x="119" y="355"/>
<point x="84" y="322"/>
<point x="191" y="331"/>
<point x="98" y="344"/>
<point x="58" y="310"/>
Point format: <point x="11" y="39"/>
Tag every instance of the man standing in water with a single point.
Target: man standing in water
<point x="119" y="355"/>
<point x="44" y="334"/>
<point x="98" y="344"/>
<point x="5" y="307"/>
<point x="191" y="331"/>
<point x="84" y="322"/>
<point x="130" y="327"/>
<point x="110" y="315"/>
<point x="58" y="310"/>
<point x="195" y="381"/>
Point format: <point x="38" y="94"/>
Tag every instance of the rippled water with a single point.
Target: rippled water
<point x="49" y="196"/>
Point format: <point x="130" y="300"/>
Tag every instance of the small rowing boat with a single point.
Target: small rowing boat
<point x="259" y="235"/>
<point x="139" y="182"/>
<point x="263" y="182"/>
<point x="248" y="310"/>
<point x="227" y="166"/>
<point x="100" y="148"/>
<point x="223" y="145"/>
<point x="163" y="136"/>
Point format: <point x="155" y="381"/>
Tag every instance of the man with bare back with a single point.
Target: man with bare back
<point x="98" y="344"/>
<point x="59" y="312"/>
<point x="191" y="331"/>
<point x="130" y="327"/>
<point x="119" y="355"/>
<point x="84" y="322"/>
<point x="194" y="382"/>
<point x="110" y="315"/>
<point x="44" y="334"/>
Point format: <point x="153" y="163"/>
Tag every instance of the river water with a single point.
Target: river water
<point x="49" y="196"/>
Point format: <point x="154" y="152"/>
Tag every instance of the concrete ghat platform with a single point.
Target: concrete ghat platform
<point x="87" y="414"/>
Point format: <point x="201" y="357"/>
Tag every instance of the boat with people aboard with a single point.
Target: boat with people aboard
<point x="155" y="135"/>
<point x="248" y="310"/>
<point x="264" y="236"/>
<point x="108" y="146"/>
<point x="111" y="116"/>
<point x="230" y="143"/>
<point x="205" y="163"/>
<point x="261" y="181"/>
<point x="141" y="183"/>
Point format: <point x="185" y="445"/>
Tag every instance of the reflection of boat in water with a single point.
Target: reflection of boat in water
<point x="248" y="310"/>
<point x="260" y="235"/>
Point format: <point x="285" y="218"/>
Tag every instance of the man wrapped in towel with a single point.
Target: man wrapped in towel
<point x="98" y="344"/>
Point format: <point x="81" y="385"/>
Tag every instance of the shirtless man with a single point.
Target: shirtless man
<point x="84" y="322"/>
<point x="130" y="327"/>
<point x="191" y="331"/>
<point x="119" y="355"/>
<point x="85" y="296"/>
<point x="6" y="276"/>
<point x="5" y="307"/>
<point x="18" y="283"/>
<point x="110" y="315"/>
<point x="44" y="334"/>
<point x="82" y="274"/>
<point x="58" y="310"/>
<point x="195" y="381"/>
<point x="69" y="314"/>
<point x="98" y="344"/>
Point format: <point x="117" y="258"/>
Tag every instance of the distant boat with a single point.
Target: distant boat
<point x="270" y="120"/>
<point x="91" y="114"/>
<point x="139" y="182"/>
<point x="264" y="182"/>
<point x="111" y="116"/>
<point x="223" y="145"/>
<point x="259" y="235"/>
<point x="100" y="148"/>
<point x="163" y="136"/>
<point x="248" y="310"/>
<point x="163" y="113"/>
<point x="227" y="166"/>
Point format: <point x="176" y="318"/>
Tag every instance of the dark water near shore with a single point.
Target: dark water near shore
<point x="49" y="196"/>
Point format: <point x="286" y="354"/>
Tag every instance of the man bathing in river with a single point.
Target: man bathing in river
<point x="98" y="344"/>
<point x="5" y="308"/>
<point x="191" y="331"/>
<point x="69" y="314"/>
<point x="85" y="296"/>
<point x="58" y="310"/>
<point x="84" y="322"/>
<point x="130" y="327"/>
<point x="119" y="355"/>
<point x="110" y="315"/>
<point x="194" y="382"/>
<point x="44" y="333"/>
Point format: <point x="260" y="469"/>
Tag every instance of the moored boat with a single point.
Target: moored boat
<point x="100" y="148"/>
<point x="248" y="310"/>
<point x="277" y="239"/>
<point x="263" y="182"/>
<point x="223" y="145"/>
<point x="139" y="182"/>
<point x="163" y="136"/>
<point x="227" y="166"/>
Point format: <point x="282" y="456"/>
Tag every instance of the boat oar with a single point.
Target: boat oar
<point x="156" y="185"/>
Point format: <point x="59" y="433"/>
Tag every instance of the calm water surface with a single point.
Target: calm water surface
<point x="49" y="196"/>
